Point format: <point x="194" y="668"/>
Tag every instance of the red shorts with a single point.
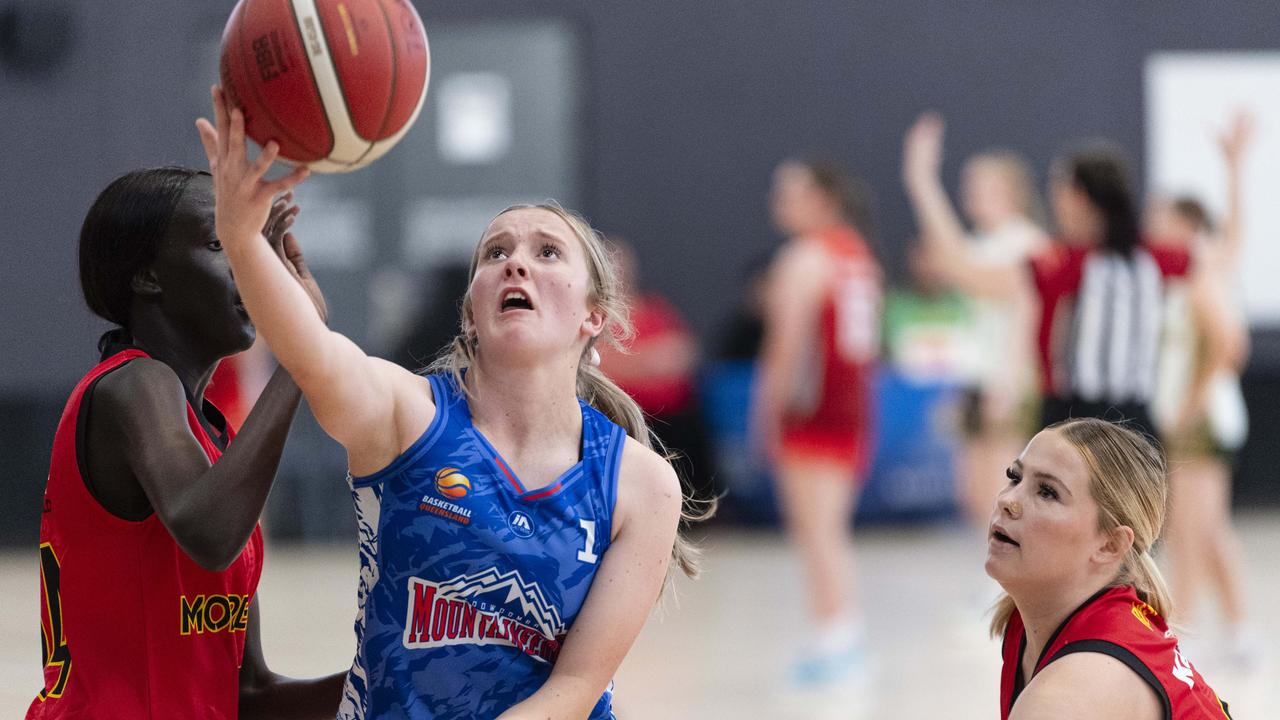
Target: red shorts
<point x="844" y="448"/>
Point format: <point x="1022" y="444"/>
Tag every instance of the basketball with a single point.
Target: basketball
<point x="451" y="483"/>
<point x="336" y="83"/>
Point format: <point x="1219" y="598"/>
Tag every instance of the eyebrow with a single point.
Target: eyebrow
<point x="507" y="235"/>
<point x="1017" y="466"/>
<point x="1042" y="475"/>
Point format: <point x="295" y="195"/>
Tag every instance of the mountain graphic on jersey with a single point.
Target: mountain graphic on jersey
<point x="485" y="608"/>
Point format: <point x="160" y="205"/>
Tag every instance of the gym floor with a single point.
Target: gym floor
<point x="719" y="649"/>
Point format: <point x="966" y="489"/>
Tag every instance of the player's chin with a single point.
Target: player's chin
<point x="999" y="567"/>
<point x="243" y="335"/>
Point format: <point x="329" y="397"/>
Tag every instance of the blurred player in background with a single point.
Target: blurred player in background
<point x="814" y="403"/>
<point x="527" y="537"/>
<point x="658" y="367"/>
<point x="1099" y="289"/>
<point x="998" y="196"/>
<point x="1084" y="622"/>
<point x="1198" y="405"/>
<point x="150" y="549"/>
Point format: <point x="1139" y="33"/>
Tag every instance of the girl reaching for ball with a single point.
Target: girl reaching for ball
<point x="515" y="526"/>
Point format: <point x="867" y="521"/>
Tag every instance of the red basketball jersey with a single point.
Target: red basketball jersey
<point x="1075" y="316"/>
<point x="848" y="341"/>
<point x="131" y="626"/>
<point x="1116" y="622"/>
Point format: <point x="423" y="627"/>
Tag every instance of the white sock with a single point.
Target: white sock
<point x="838" y="634"/>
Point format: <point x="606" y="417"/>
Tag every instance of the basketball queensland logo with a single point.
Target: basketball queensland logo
<point x="452" y="484"/>
<point x="485" y="608"/>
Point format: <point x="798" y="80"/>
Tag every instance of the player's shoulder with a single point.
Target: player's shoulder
<point x="647" y="477"/>
<point x="137" y="386"/>
<point x="803" y="252"/>
<point x="1115" y="690"/>
<point x="1058" y="262"/>
<point x="1054" y="255"/>
<point x="1171" y="259"/>
<point x="395" y="373"/>
<point x="800" y="266"/>
<point x="409" y="388"/>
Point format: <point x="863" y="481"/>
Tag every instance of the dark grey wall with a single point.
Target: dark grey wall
<point x="689" y="105"/>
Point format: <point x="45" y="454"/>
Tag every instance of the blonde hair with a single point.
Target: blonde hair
<point x="1130" y="482"/>
<point x="1017" y="177"/>
<point x="607" y="294"/>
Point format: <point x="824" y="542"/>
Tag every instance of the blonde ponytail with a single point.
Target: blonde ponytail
<point x="1141" y="572"/>
<point x="1001" y="615"/>
<point x="604" y="395"/>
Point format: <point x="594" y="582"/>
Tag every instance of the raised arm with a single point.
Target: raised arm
<point x="940" y="229"/>
<point x="353" y="396"/>
<point x="1234" y="143"/>
<point x="622" y="594"/>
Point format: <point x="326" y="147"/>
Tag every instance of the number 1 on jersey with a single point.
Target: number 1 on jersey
<point x="588" y="554"/>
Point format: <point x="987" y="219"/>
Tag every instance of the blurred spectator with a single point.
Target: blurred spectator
<point x="743" y="331"/>
<point x="659" y="370"/>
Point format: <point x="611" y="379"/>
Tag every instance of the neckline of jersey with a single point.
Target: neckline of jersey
<point x="513" y="483"/>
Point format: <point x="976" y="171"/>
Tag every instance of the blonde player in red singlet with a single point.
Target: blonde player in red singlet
<point x="1083" y="624"/>
<point x="813" y="401"/>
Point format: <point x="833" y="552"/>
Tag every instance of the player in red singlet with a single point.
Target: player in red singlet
<point x="814" y="398"/>
<point x="150" y="550"/>
<point x="1083" y="622"/>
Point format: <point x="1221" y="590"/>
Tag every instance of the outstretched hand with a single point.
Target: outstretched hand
<point x="1234" y="141"/>
<point x="922" y="148"/>
<point x="283" y="242"/>
<point x="243" y="195"/>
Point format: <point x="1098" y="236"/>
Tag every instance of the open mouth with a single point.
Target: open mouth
<point x="515" y="300"/>
<point x="1001" y="537"/>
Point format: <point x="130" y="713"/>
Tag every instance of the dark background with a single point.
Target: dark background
<point x="685" y="108"/>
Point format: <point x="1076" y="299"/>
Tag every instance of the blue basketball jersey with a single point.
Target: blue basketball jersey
<point x="469" y="582"/>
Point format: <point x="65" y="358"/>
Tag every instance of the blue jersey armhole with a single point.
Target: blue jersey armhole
<point x="424" y="442"/>
<point x="612" y="469"/>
